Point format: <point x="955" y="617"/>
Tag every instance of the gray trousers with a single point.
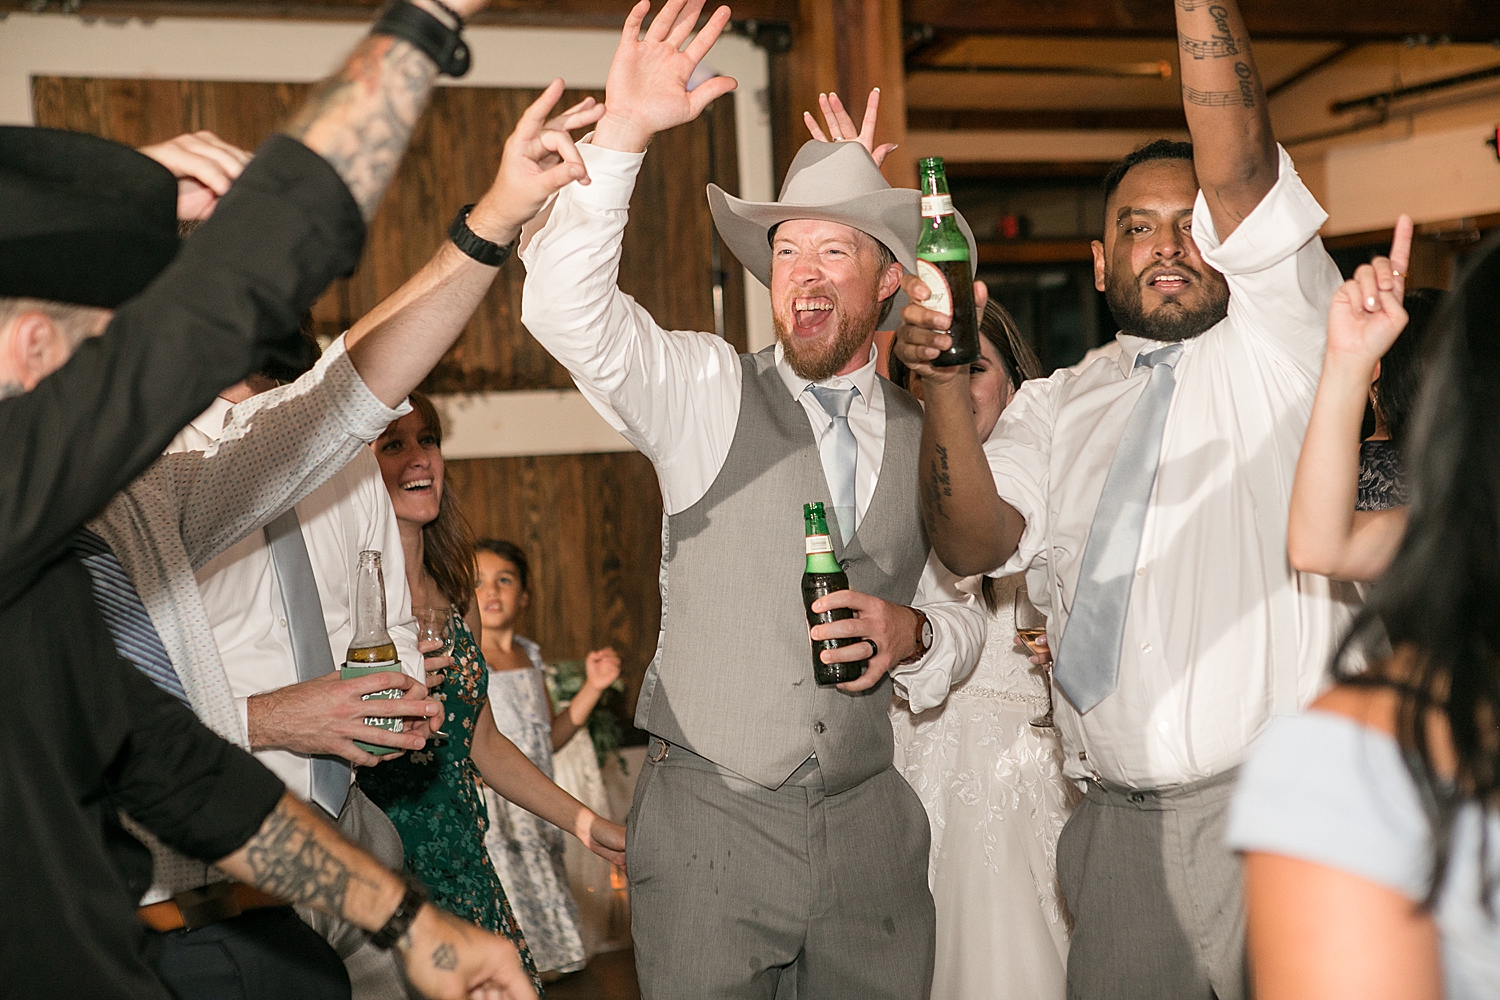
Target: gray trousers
<point x="1155" y="893"/>
<point x="739" y="891"/>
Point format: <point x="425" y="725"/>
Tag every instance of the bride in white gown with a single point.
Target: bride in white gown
<point x="991" y="782"/>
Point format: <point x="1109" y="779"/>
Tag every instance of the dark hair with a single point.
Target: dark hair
<point x="447" y="542"/>
<point x="1436" y="601"/>
<point x="291" y="369"/>
<point x="999" y="328"/>
<point x="509" y="551"/>
<point x="1402" y="367"/>
<point x="1160" y="149"/>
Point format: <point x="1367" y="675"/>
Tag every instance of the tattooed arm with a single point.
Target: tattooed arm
<point x="361" y="118"/>
<point x="299" y="856"/>
<point x="1227" y="111"/>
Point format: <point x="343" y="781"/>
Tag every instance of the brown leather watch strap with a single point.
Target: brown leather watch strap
<point x="921" y="650"/>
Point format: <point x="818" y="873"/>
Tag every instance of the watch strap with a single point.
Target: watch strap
<point x="443" y="44"/>
<point x="476" y="246"/>
<point x="922" y="647"/>
<point x="406" y="912"/>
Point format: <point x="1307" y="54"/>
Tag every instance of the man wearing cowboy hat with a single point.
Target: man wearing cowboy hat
<point x="773" y="848"/>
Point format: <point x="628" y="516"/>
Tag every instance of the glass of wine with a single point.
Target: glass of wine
<point x="434" y="625"/>
<point x="1031" y="625"/>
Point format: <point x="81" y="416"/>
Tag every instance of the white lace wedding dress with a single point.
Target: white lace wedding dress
<point x="994" y="792"/>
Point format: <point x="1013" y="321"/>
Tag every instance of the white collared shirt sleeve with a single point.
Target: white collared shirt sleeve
<point x="1019" y="451"/>
<point x="958" y="632"/>
<point x="1281" y="280"/>
<point x="674" y="394"/>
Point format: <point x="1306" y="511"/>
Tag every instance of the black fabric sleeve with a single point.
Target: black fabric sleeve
<point x="241" y="283"/>
<point x="197" y="792"/>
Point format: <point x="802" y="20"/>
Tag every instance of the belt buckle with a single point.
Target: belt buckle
<point x="666" y="749"/>
<point x="208" y="905"/>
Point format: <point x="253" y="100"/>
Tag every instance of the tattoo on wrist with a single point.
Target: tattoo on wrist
<point x="445" y="957"/>
<point x="287" y="860"/>
<point x="383" y="87"/>
<point x="937" y="485"/>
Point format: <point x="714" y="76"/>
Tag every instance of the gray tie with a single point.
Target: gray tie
<point x="839" y="452"/>
<point x="1088" y="656"/>
<point x="309" y="635"/>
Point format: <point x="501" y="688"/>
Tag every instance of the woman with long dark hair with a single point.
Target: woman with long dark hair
<point x="1371" y="824"/>
<point x="431" y="795"/>
<point x="991" y="781"/>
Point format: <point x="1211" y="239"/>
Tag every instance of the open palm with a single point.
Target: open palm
<point x="647" y="90"/>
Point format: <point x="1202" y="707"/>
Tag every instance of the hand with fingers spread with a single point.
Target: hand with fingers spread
<point x="841" y="126"/>
<point x="327" y="714"/>
<point x="923" y="334"/>
<point x="204" y="166"/>
<point x="647" y="90"/>
<point x="540" y="159"/>
<point x="1367" y="313"/>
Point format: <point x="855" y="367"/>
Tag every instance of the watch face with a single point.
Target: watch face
<point x="926" y="634"/>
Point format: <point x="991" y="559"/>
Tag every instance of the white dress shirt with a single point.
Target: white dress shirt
<point x="675" y="394"/>
<point x="1221" y="634"/>
<point x="347" y="514"/>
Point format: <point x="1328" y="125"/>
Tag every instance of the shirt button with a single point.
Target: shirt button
<point x="1141" y="571"/>
<point x="283" y="623"/>
<point x="819" y="728"/>
<point x="1145" y="647"/>
<point x="1137" y="798"/>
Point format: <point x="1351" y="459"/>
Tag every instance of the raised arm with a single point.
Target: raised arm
<point x="1228" y="115"/>
<point x="1325" y="534"/>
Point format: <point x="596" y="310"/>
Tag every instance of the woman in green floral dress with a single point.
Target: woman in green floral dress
<point x="431" y="795"/>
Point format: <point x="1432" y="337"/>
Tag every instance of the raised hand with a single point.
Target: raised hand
<point x="1367" y="314"/>
<point x="539" y="160"/>
<point x="602" y="668"/>
<point x="923" y="334"/>
<point x="841" y="126"/>
<point x="646" y="91"/>
<point x="204" y="166"/>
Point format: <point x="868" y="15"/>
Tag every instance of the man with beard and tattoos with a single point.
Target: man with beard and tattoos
<point x="1150" y="492"/>
<point x="771" y="842"/>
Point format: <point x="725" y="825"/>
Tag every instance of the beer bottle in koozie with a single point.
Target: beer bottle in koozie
<point x="371" y="650"/>
<point x="823" y="576"/>
<point x="943" y="265"/>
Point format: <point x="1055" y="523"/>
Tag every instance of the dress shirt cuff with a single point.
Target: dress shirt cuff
<point x="612" y="176"/>
<point x="925" y="683"/>
<point x="1286" y="218"/>
<point x="242" y="707"/>
<point x="362" y="415"/>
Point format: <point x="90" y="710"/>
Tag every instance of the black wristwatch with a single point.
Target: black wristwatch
<point x="476" y="246"/>
<point x="442" y="43"/>
<point x="406" y="912"/>
<point x="923" y="636"/>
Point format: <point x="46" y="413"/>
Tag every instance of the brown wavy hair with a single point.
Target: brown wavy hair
<point x="447" y="541"/>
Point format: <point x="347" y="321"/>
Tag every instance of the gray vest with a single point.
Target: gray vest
<point x="732" y="680"/>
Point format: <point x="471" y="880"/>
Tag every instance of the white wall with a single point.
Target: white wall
<point x="484" y="424"/>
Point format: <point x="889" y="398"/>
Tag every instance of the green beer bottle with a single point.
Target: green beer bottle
<point x="371" y="649"/>
<point x="943" y="266"/>
<point x="823" y="576"/>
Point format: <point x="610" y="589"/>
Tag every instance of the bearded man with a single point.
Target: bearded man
<point x="771" y="842"/>
<point x="1147" y="495"/>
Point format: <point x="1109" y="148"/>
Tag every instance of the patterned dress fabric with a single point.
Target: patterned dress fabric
<point x="1382" y="484"/>
<point x="432" y="796"/>
<point x="528" y="851"/>
<point x="994" y="791"/>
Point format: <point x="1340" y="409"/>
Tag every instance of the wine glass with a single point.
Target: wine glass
<point x="1031" y="625"/>
<point x="435" y="625"/>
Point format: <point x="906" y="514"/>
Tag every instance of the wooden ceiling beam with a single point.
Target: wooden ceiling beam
<point x="1343" y="20"/>
<point x="970" y="119"/>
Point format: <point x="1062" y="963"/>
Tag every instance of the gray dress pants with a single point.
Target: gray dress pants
<point x="1155" y="893"/>
<point x="740" y="891"/>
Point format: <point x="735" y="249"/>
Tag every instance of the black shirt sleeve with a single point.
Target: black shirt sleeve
<point x="240" y="284"/>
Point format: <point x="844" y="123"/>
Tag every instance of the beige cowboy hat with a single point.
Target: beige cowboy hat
<point x="833" y="182"/>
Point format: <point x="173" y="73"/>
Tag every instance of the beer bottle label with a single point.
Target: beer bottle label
<point x="941" y="299"/>
<point x="934" y="205"/>
<point x="819" y="543"/>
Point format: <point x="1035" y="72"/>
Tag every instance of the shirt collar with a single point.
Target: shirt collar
<point x="210" y="423"/>
<point x="862" y="378"/>
<point x="1132" y="347"/>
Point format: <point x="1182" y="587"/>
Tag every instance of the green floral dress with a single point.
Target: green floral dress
<point x="433" y="798"/>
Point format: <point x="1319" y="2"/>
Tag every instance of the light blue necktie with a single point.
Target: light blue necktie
<point x="309" y="635"/>
<point x="1088" y="657"/>
<point x="839" y="453"/>
<point x="125" y="615"/>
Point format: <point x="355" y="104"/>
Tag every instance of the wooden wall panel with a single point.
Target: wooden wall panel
<point x="592" y="523"/>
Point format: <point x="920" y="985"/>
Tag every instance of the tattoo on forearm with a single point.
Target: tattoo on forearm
<point x="1244" y="97"/>
<point x="381" y="90"/>
<point x="287" y="860"/>
<point x="1212" y="48"/>
<point x="937" y="485"/>
<point x="444" y="957"/>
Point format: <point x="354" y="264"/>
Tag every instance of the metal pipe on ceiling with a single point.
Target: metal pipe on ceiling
<point x="1159" y="69"/>
<point x="1388" y="97"/>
